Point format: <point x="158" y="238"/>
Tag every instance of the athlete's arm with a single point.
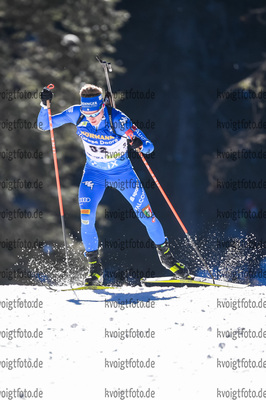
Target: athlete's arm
<point x="124" y="127"/>
<point x="68" y="116"/>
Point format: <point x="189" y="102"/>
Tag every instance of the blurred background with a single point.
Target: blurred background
<point x="191" y="75"/>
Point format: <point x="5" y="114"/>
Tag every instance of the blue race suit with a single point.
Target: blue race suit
<point x="107" y="164"/>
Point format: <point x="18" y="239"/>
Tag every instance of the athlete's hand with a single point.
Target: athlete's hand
<point x="46" y="94"/>
<point x="136" y="144"/>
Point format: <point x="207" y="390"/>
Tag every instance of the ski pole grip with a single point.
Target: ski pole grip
<point x="50" y="87"/>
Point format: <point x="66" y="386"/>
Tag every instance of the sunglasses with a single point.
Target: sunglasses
<point x="91" y="115"/>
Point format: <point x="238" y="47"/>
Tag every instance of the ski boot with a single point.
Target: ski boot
<point x="168" y="261"/>
<point x="95" y="277"/>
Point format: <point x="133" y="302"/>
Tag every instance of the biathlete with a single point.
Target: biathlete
<point x="104" y="132"/>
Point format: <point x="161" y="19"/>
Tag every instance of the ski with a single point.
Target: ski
<point x="93" y="287"/>
<point x="194" y="282"/>
<point x="166" y="281"/>
<point x="73" y="289"/>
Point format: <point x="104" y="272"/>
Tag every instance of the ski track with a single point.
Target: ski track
<point x="185" y="348"/>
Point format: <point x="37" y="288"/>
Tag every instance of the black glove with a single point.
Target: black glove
<point x="136" y="143"/>
<point x="46" y="94"/>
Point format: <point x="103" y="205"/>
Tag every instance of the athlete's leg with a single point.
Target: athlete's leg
<point x="132" y="189"/>
<point x="90" y="194"/>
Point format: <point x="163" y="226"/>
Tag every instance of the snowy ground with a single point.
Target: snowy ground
<point x="184" y="351"/>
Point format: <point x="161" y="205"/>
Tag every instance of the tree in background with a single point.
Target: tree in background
<point x="250" y="92"/>
<point x="46" y="43"/>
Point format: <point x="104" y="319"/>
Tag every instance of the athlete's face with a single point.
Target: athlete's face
<point x="94" y="117"/>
